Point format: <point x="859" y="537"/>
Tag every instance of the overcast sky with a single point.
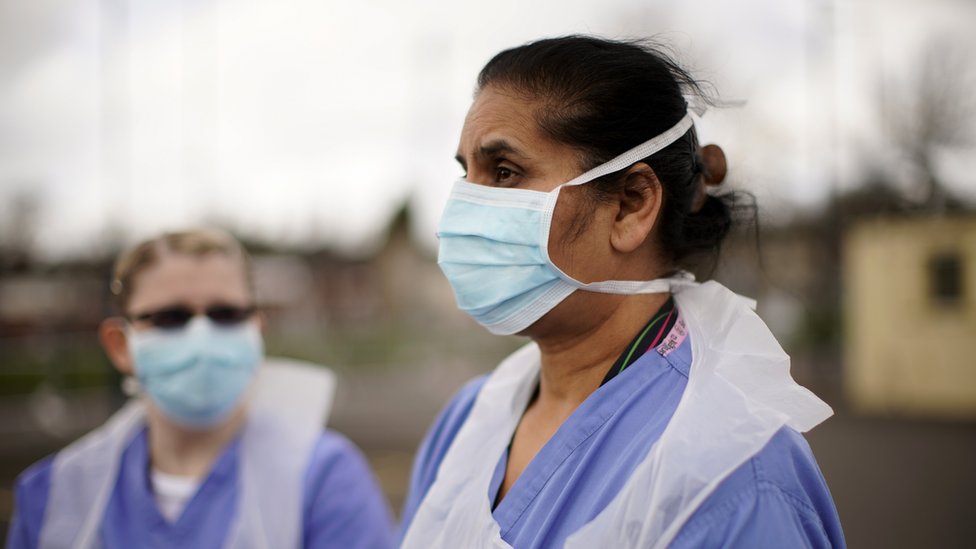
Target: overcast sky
<point x="312" y="120"/>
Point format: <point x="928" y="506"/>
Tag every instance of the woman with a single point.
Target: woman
<point x="649" y="410"/>
<point x="199" y="462"/>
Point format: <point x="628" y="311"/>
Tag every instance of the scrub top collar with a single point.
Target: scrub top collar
<point x="658" y="327"/>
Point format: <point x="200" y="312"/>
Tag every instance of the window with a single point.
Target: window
<point x="946" y="278"/>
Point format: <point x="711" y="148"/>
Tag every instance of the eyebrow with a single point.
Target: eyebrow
<point x="492" y="149"/>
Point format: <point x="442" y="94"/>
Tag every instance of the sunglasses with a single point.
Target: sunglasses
<point x="176" y="317"/>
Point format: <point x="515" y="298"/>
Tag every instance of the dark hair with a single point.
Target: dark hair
<point x="603" y="97"/>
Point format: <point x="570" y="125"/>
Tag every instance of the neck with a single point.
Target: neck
<point x="176" y="450"/>
<point x="575" y="360"/>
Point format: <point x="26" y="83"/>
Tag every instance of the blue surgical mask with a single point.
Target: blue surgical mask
<point x="494" y="247"/>
<point x="196" y="375"/>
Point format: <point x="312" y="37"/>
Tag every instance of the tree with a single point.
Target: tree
<point x="934" y="110"/>
<point x="17" y="230"/>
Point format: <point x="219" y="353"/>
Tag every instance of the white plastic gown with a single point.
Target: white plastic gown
<point x="739" y="394"/>
<point x="290" y="403"/>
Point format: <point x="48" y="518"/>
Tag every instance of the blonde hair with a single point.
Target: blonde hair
<point x="196" y="242"/>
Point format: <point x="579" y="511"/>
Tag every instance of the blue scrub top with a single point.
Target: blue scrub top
<point x="777" y="499"/>
<point x="342" y="505"/>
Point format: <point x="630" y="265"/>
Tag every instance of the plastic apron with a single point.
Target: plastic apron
<point x="289" y="404"/>
<point x="739" y="394"/>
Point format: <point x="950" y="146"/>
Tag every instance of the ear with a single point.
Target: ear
<point x="112" y="336"/>
<point x="639" y="205"/>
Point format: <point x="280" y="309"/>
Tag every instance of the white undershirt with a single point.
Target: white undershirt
<point x="172" y="493"/>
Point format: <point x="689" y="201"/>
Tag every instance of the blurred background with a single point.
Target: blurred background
<point x="321" y="133"/>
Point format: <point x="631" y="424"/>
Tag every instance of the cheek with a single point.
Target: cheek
<point x="576" y="238"/>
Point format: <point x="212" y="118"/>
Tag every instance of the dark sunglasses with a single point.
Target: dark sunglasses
<point x="177" y="317"/>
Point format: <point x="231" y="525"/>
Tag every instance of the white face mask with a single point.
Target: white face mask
<point x="494" y="247"/>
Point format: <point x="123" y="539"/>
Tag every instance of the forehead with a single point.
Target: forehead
<point x="197" y="281"/>
<point x="502" y="115"/>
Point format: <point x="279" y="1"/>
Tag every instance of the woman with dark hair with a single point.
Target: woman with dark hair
<point x="649" y="410"/>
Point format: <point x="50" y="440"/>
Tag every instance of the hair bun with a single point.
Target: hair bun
<point x="715" y="165"/>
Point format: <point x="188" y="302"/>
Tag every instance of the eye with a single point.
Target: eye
<point x="168" y="319"/>
<point x="505" y="175"/>
<point x="229" y="315"/>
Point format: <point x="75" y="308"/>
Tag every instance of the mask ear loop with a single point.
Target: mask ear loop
<point x="618" y="163"/>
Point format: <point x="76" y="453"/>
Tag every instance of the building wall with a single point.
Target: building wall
<point x="907" y="349"/>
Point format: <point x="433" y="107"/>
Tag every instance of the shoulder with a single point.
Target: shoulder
<point x="337" y="463"/>
<point x="441" y="434"/>
<point x="436" y="444"/>
<point x="453" y="416"/>
<point x="343" y="504"/>
<point x="776" y="499"/>
<point x="331" y="449"/>
<point x="36" y="479"/>
<point x="30" y="500"/>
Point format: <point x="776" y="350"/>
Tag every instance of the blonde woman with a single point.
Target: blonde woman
<point x="196" y="461"/>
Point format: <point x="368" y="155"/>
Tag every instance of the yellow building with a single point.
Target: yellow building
<point x="910" y="316"/>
